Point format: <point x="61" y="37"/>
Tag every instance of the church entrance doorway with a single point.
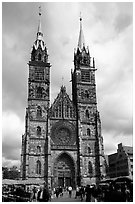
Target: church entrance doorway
<point x="64" y="171"/>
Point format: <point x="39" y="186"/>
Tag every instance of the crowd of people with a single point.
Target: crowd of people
<point x="107" y="193"/>
<point x="43" y="194"/>
<point x="112" y="192"/>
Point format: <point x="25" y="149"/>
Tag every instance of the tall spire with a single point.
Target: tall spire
<point x="39" y="32"/>
<point x="39" y="50"/>
<point x="81" y="42"/>
<point x="81" y="55"/>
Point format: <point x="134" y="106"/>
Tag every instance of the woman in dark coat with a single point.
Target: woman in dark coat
<point x="88" y="193"/>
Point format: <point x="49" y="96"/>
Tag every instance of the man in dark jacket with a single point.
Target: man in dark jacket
<point x="88" y="193"/>
<point x="43" y="195"/>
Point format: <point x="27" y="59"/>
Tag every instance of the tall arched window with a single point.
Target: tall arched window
<point x="87" y="114"/>
<point x="88" y="131"/>
<point x="89" y="150"/>
<point x="67" y="111"/>
<point x="90" y="169"/>
<point x="56" y="112"/>
<point x="60" y="110"/>
<point x="39" y="92"/>
<point x="38" y="149"/>
<point x="38" y="167"/>
<point x="86" y="94"/>
<point x="39" y="111"/>
<point x="38" y="130"/>
<point x="71" y="112"/>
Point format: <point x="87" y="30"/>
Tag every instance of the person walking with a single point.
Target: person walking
<point x="43" y="194"/>
<point x="57" y="192"/>
<point x="60" y="191"/>
<point x="70" y="191"/>
<point x="33" y="197"/>
<point x="88" y="193"/>
<point x="77" y="192"/>
<point x="82" y="193"/>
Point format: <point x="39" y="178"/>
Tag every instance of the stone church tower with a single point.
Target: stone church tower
<point x="89" y="138"/>
<point x="62" y="144"/>
<point x="34" y="139"/>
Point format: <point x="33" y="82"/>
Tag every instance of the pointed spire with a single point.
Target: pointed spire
<point x="81" y="42"/>
<point x="39" y="44"/>
<point x="39" y="32"/>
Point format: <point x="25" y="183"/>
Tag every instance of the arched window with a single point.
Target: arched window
<point x="86" y="94"/>
<point x="89" y="150"/>
<point x="56" y="112"/>
<point x="38" y="167"/>
<point x="90" y="169"/>
<point x="88" y="131"/>
<point x="71" y="113"/>
<point x="60" y="110"/>
<point x="39" y="57"/>
<point x="38" y="149"/>
<point x="87" y="114"/>
<point x="39" y="111"/>
<point x="67" y="111"/>
<point x="53" y="113"/>
<point x="39" y="92"/>
<point x="38" y="131"/>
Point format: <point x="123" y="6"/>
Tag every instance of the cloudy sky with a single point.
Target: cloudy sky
<point x="108" y="31"/>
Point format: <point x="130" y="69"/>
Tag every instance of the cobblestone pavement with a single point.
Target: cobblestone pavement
<point x="65" y="198"/>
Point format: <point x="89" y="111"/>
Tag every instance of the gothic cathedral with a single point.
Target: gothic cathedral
<point x="62" y="144"/>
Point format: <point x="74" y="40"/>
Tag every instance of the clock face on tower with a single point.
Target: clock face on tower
<point x="63" y="134"/>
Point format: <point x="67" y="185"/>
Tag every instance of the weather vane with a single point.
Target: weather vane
<point x="40" y="10"/>
<point x="80" y="16"/>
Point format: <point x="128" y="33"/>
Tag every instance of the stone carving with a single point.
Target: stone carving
<point x="31" y="90"/>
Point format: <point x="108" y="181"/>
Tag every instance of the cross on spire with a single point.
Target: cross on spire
<point x="39" y="10"/>
<point x="39" y="32"/>
<point x="81" y="42"/>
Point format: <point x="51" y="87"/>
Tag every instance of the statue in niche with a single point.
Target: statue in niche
<point x="86" y="94"/>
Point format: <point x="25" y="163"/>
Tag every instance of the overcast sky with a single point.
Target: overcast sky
<point x="108" y="31"/>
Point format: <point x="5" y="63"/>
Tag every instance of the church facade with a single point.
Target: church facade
<point x="62" y="144"/>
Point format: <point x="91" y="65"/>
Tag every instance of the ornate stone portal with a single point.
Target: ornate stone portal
<point x="64" y="171"/>
<point x="62" y="144"/>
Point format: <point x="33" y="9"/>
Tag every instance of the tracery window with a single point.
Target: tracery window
<point x="53" y="113"/>
<point x="39" y="111"/>
<point x="39" y="73"/>
<point x="38" y="167"/>
<point x="67" y="111"/>
<point x="38" y="131"/>
<point x="85" y="75"/>
<point x="86" y="94"/>
<point x="88" y="131"/>
<point x="56" y="112"/>
<point x="87" y="114"/>
<point x="89" y="150"/>
<point x="60" y="110"/>
<point x="71" y="112"/>
<point x="39" y="92"/>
